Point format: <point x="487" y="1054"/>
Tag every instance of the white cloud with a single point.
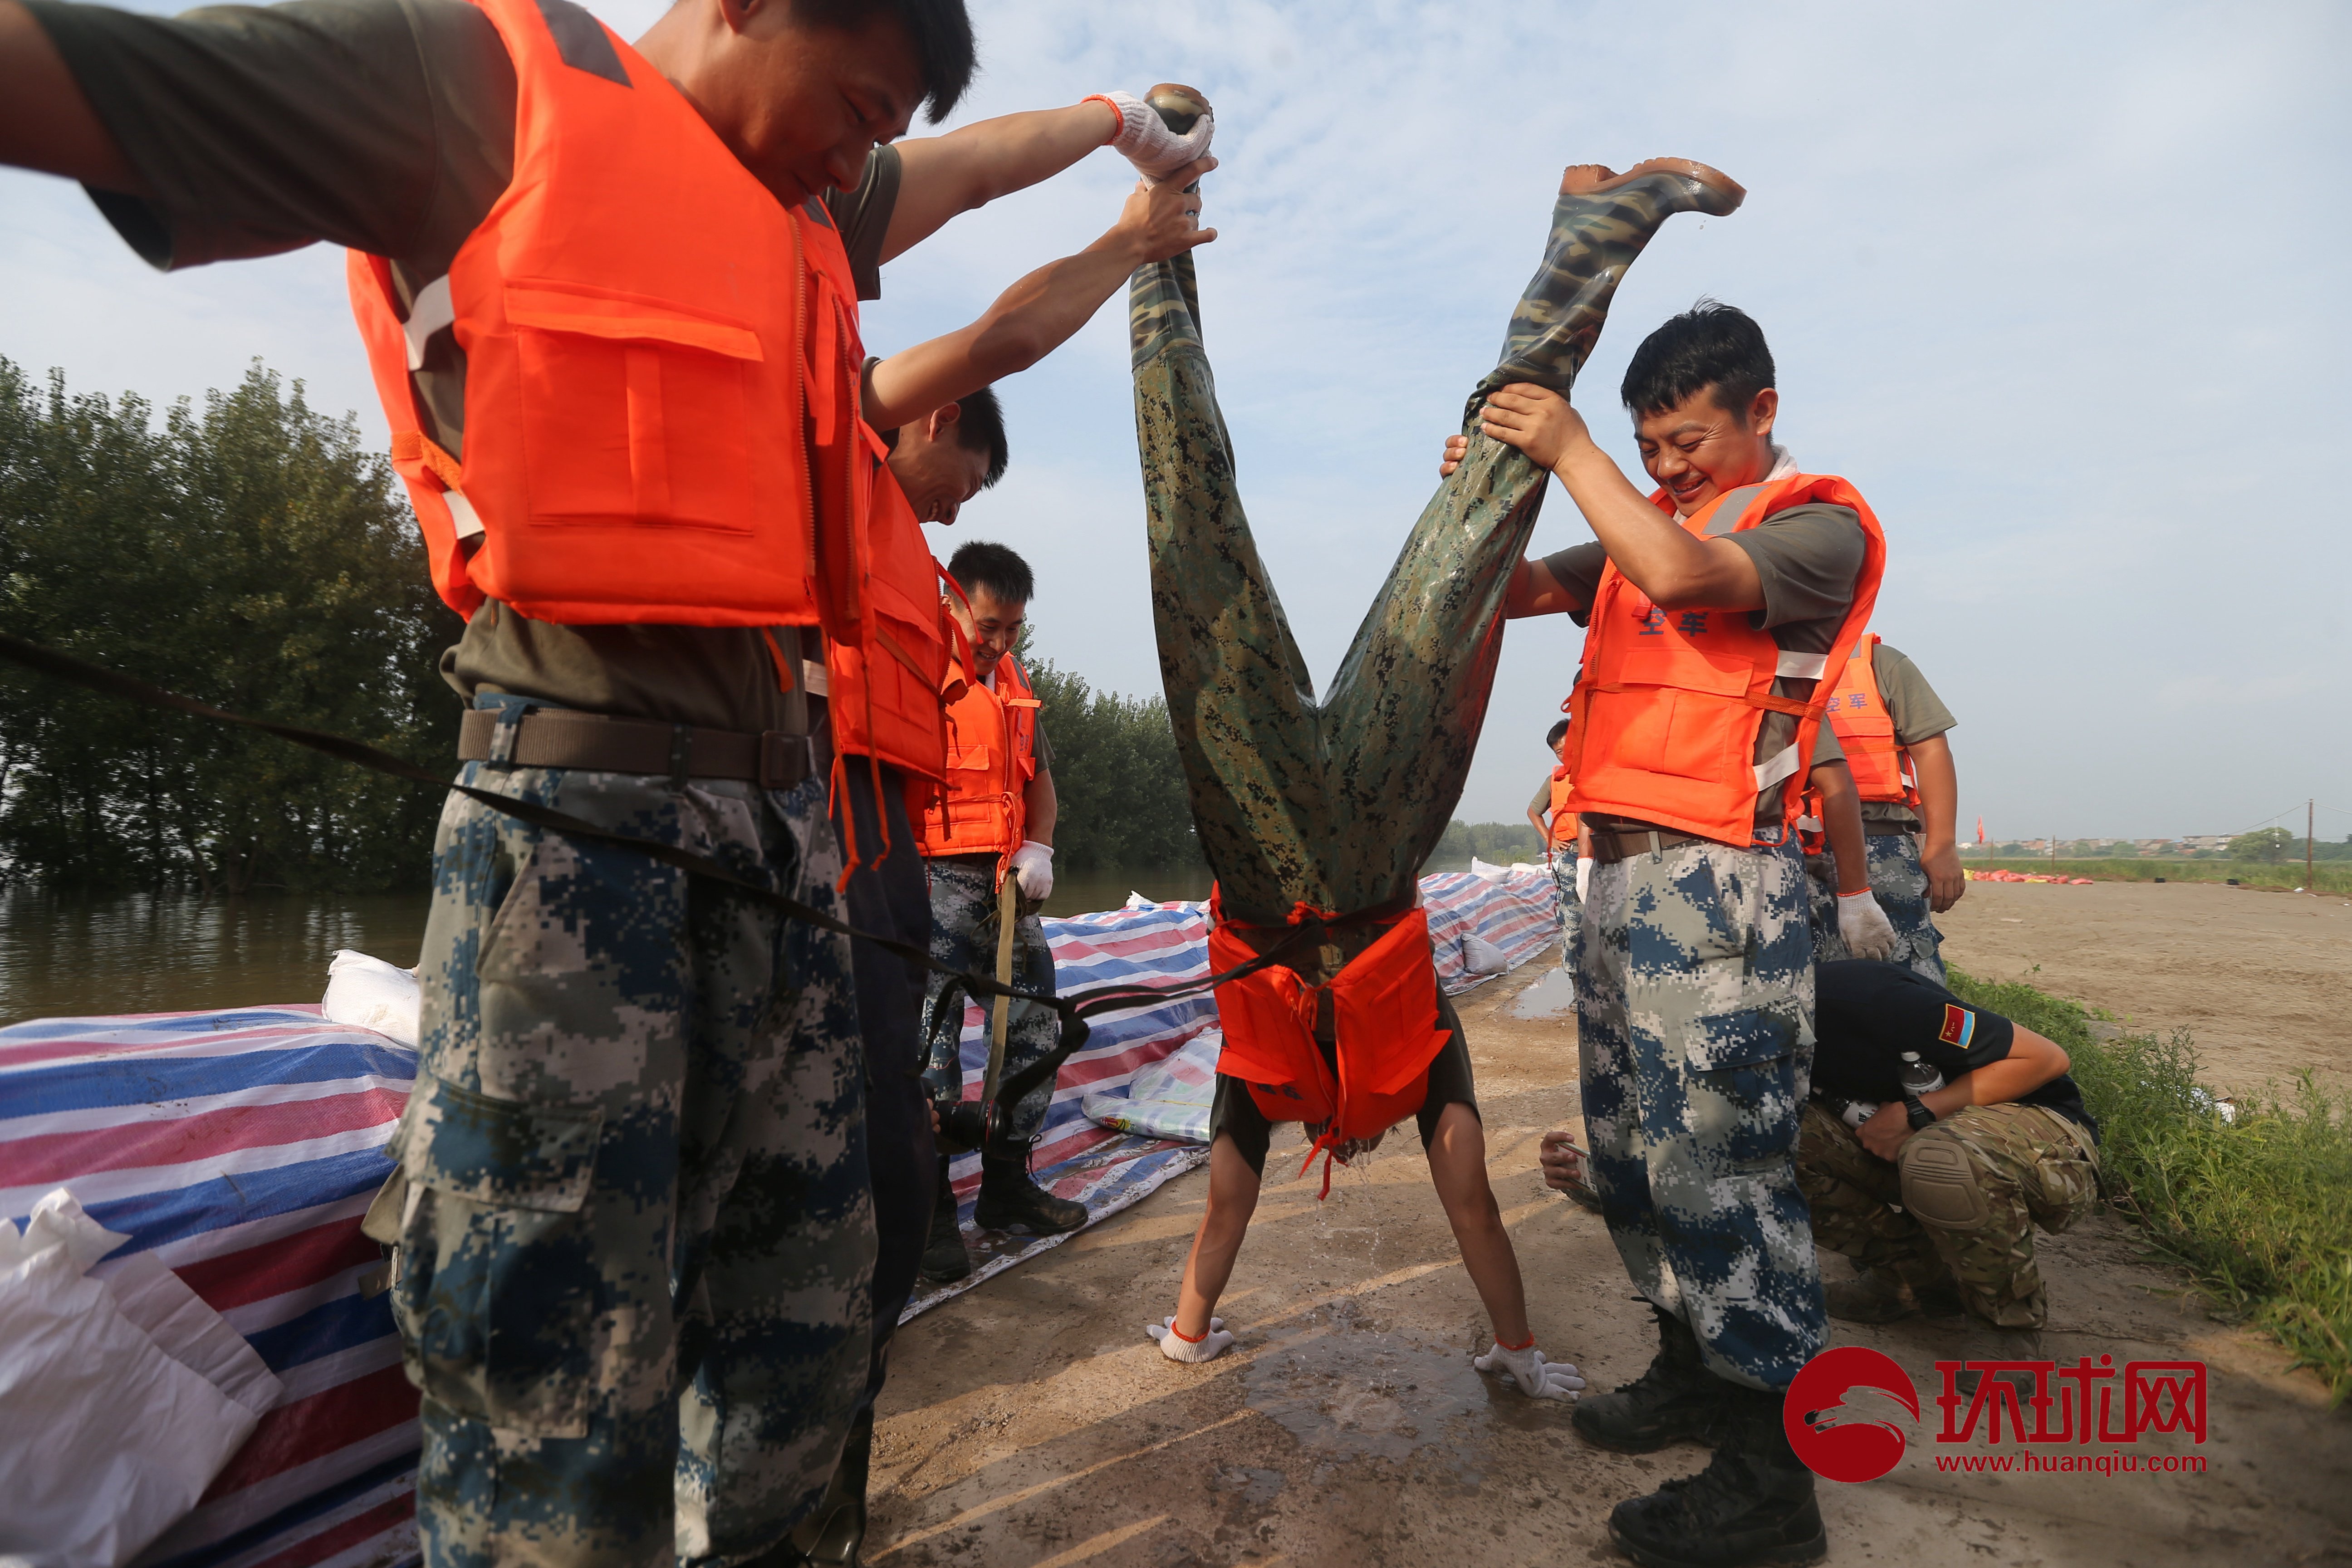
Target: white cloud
<point x="2057" y="288"/>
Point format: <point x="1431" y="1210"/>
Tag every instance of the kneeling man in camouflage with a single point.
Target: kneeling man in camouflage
<point x="1937" y="1204"/>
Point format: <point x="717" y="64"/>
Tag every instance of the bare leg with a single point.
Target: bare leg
<point x="1457" y="1165"/>
<point x="1232" y="1198"/>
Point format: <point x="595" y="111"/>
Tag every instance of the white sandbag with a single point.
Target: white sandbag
<point x="1492" y="873"/>
<point x="1480" y="956"/>
<point x="122" y="1393"/>
<point x="369" y="994"/>
<point x="1169" y="1098"/>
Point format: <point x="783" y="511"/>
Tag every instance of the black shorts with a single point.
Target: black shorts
<point x="1236" y="1115"/>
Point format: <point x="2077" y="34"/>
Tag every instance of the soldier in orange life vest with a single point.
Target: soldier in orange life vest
<point x="1715" y="604"/>
<point x="1562" y="842"/>
<point x="1891" y="725"/>
<point x="877" y="701"/>
<point x="609" y="293"/>
<point x="993" y="819"/>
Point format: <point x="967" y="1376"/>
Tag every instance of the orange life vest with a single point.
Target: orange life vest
<point x="1383" y="1015"/>
<point x="1564" y="821"/>
<point x="661" y="367"/>
<point x="1857" y="712"/>
<point x="991" y="755"/>
<point x="1670" y="704"/>
<point x="888" y="692"/>
<point x="1881" y="765"/>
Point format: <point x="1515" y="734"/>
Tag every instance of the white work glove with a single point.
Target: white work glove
<point x="1176" y="1347"/>
<point x="1863" y="926"/>
<point x="1536" y="1378"/>
<point x="1033" y="864"/>
<point x="1146" y="142"/>
<point x="1583" y="877"/>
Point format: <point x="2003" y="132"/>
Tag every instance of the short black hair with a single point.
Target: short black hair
<point x="980" y="428"/>
<point x="1710" y="344"/>
<point x="982" y="563"/>
<point x="1552" y="735"/>
<point x="940" y="31"/>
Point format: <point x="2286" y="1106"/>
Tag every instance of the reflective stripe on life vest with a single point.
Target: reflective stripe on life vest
<point x="1668" y="711"/>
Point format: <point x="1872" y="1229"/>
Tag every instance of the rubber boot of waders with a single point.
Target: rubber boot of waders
<point x="944" y="1259"/>
<point x="1753" y="1504"/>
<point x="1011" y="1200"/>
<point x="1677" y="1400"/>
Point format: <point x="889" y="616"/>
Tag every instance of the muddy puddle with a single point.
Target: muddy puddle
<point x="1553" y="996"/>
<point x="1348" y="1391"/>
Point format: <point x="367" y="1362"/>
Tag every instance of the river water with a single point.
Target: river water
<point x="144" y="953"/>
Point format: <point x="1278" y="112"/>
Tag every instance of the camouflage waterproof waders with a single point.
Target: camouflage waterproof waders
<point x="963" y="936"/>
<point x="637" y="1239"/>
<point x="1958" y="1203"/>
<point x="1900" y="884"/>
<point x="1338" y="803"/>
<point x="1694" y="1019"/>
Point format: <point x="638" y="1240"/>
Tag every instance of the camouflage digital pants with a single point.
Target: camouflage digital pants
<point x="1695" y="1014"/>
<point x="963" y="934"/>
<point x="1900" y="884"/>
<point x="1958" y="1203"/>
<point x="1563" y="881"/>
<point x="637" y="1243"/>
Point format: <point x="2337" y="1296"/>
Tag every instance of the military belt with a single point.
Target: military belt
<point x="1608" y="849"/>
<point x="774" y="759"/>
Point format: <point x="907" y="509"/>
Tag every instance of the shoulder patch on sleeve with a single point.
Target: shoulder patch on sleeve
<point x="1960" y="1024"/>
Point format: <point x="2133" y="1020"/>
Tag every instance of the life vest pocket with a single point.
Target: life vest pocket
<point x="634" y="412"/>
<point x="1681" y="734"/>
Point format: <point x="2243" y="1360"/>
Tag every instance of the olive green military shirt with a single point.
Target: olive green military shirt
<point x="1918" y="714"/>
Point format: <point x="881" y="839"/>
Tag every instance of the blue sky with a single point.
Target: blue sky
<point x="2059" y="288"/>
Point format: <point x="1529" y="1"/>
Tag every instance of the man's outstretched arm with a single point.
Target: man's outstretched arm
<point x="1039" y="313"/>
<point x="46" y="119"/>
<point x="940" y="177"/>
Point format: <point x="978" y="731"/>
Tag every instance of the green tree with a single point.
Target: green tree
<point x="252" y="556"/>
<point x="1116" y="774"/>
<point x="2268" y="844"/>
<point x="1497" y="843"/>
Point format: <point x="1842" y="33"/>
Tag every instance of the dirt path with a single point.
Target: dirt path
<point x="1030" y="1422"/>
<point x="2263" y="981"/>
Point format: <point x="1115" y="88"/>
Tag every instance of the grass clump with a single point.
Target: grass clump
<point x="2253" y="1198"/>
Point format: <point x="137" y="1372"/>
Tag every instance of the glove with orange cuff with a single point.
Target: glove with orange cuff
<point x="1176" y="1347"/>
<point x="1145" y="140"/>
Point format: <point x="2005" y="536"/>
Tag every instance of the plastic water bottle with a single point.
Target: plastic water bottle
<point x="1918" y="1077"/>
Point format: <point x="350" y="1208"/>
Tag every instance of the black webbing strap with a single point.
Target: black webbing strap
<point x="1074" y="1009"/>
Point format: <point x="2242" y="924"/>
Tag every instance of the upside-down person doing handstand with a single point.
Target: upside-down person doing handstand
<point x="1317" y="815"/>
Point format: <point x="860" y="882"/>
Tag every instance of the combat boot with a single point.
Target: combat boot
<point x="1677" y="1400"/>
<point x="1880" y="1296"/>
<point x="1989" y="1341"/>
<point x="944" y="1259"/>
<point x="1010" y="1200"/>
<point x="1752" y="1504"/>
